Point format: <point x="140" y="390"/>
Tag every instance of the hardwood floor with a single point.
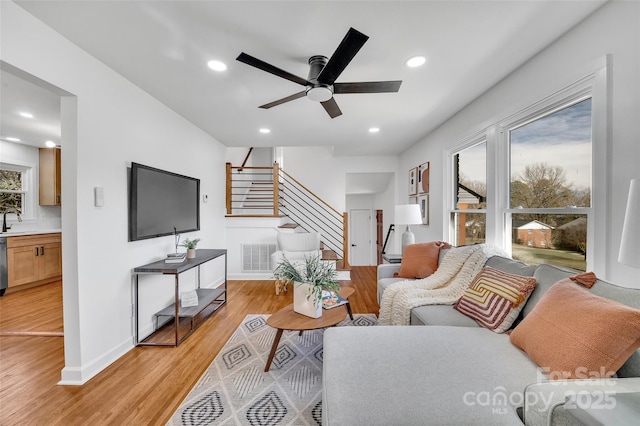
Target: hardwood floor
<point x="147" y="384"/>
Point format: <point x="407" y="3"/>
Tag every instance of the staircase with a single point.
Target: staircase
<point x="271" y="192"/>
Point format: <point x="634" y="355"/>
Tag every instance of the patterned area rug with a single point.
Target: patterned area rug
<point x="235" y="390"/>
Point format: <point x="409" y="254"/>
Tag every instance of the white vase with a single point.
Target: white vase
<point x="191" y="253"/>
<point x="304" y="300"/>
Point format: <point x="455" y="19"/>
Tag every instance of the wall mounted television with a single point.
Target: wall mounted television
<point x="161" y="203"/>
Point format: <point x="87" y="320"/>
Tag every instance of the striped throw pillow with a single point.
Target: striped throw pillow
<point x="494" y="299"/>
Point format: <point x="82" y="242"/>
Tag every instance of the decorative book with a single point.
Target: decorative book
<point x="175" y="258"/>
<point x="331" y="299"/>
<point x="189" y="298"/>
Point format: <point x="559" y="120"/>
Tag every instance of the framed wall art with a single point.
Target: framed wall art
<point x="423" y="201"/>
<point x="423" y="178"/>
<point x="413" y="200"/>
<point x="413" y="181"/>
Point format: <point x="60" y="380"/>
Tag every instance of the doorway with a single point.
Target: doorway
<point x="360" y="237"/>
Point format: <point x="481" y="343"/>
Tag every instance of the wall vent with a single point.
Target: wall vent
<point x="256" y="257"/>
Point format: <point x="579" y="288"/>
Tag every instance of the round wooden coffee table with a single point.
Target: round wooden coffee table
<point x="287" y="319"/>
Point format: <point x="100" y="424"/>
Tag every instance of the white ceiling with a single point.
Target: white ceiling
<point x="163" y="47"/>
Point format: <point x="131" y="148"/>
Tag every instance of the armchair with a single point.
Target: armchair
<point x="295" y="247"/>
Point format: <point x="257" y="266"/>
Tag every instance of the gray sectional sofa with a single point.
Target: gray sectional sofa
<point x="449" y="370"/>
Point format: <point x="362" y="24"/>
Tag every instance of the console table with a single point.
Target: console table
<point x="215" y="297"/>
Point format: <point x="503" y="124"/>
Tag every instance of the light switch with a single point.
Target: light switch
<point x="98" y="196"/>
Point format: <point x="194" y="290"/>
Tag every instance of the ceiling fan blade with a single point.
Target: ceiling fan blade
<point x="261" y="65"/>
<point x="347" y="49"/>
<point x="332" y="108"/>
<point x="283" y="100"/>
<point x="367" y="87"/>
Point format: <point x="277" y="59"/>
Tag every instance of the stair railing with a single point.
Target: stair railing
<point x="270" y="191"/>
<point x="252" y="191"/>
<point x="313" y="214"/>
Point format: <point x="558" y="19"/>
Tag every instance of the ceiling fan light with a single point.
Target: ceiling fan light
<point x="319" y="93"/>
<point x="416" y="61"/>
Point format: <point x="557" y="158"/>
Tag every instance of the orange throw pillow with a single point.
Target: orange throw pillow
<point x="574" y="334"/>
<point x="420" y="260"/>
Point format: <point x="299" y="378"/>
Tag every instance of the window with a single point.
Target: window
<point x="470" y="195"/>
<point x="13" y="188"/>
<point x="550" y="165"/>
<point x="538" y="192"/>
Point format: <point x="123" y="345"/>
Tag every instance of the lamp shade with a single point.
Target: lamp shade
<point x="408" y="214"/>
<point x="630" y="244"/>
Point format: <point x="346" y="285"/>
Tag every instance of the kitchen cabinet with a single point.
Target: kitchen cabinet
<point x="49" y="177"/>
<point x="34" y="259"/>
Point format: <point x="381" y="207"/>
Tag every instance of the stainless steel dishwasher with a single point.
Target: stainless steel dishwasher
<point x="4" y="279"/>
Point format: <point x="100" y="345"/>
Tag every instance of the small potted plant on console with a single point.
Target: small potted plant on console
<point x="190" y="246"/>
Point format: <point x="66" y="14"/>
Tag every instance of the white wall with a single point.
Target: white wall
<point x="39" y="217"/>
<point x="317" y="169"/>
<point x="107" y="124"/>
<point x="615" y="30"/>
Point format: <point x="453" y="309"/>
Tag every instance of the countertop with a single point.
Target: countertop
<point x="17" y="233"/>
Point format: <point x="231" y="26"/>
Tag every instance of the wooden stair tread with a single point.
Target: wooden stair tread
<point x="289" y="226"/>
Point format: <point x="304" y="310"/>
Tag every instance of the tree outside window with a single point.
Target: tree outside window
<point x="11" y="191"/>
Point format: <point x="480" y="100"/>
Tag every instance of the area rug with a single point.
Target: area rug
<point x="235" y="390"/>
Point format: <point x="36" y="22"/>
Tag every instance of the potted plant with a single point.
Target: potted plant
<point x="310" y="277"/>
<point x="191" y="247"/>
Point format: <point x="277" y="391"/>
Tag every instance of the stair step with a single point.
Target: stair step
<point x="289" y="226"/>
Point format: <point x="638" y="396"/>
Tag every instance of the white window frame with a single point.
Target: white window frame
<point x="596" y="85"/>
<point x="28" y="189"/>
<point x="450" y="180"/>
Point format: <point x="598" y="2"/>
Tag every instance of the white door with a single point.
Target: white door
<point x="360" y="237"/>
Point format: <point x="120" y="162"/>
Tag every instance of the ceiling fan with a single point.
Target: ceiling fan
<point x="320" y="85"/>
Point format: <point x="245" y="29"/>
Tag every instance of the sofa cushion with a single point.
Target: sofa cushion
<point x="440" y="315"/>
<point x="421" y="375"/>
<point x="511" y="266"/>
<point x="495" y="298"/>
<point x="576" y="334"/>
<point x="383" y="283"/>
<point x="546" y="276"/>
<point x="420" y="260"/>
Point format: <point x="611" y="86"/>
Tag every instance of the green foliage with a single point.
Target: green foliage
<point x="320" y="275"/>
<point x="10" y="201"/>
<point x="190" y="244"/>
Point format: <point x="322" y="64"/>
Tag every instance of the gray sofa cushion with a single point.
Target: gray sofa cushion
<point x="421" y="375"/>
<point x="440" y="315"/>
<point x="511" y="266"/>
<point x="546" y="275"/>
<point x="383" y="283"/>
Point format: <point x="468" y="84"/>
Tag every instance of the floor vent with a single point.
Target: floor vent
<point x="257" y="257"/>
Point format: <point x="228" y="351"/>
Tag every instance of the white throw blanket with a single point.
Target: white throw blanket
<point x="444" y="287"/>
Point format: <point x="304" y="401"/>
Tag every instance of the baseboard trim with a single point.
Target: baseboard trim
<point x="78" y="376"/>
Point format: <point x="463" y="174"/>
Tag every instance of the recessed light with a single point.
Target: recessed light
<point x="12" y="139"/>
<point x="26" y="114"/>
<point x="217" y="65"/>
<point x="50" y="144"/>
<point x="374" y="130"/>
<point x="265" y="130"/>
<point x="416" y="61"/>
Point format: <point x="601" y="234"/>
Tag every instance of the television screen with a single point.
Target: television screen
<point x="161" y="201"/>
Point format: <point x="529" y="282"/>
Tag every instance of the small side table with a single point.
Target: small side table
<point x="287" y="319"/>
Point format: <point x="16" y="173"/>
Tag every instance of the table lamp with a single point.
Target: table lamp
<point x="630" y="243"/>
<point x="408" y="214"/>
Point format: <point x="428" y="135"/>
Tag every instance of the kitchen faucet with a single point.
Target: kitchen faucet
<point x="5" y="228"/>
